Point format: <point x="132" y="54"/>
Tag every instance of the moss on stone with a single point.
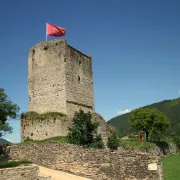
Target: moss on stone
<point x="62" y="139"/>
<point x="35" y="115"/>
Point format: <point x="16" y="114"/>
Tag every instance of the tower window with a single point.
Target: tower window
<point x="79" y="62"/>
<point x="46" y="48"/>
<point x="33" y="52"/>
<point x="79" y="79"/>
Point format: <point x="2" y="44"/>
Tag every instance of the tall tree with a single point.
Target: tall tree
<point x="7" y="110"/>
<point x="151" y="121"/>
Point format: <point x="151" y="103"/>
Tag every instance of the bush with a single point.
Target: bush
<point x="13" y="164"/>
<point x="176" y="140"/>
<point x="113" y="141"/>
<point x="97" y="142"/>
<point x="83" y="129"/>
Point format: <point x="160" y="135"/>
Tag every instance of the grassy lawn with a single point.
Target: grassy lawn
<point x="171" y="167"/>
<point x="10" y="164"/>
<point x="138" y="145"/>
<point x="62" y="139"/>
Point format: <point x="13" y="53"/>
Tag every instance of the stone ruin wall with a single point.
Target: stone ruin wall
<point x="39" y="129"/>
<point x="95" y="164"/>
<point x="42" y="129"/>
<point x="59" y="78"/>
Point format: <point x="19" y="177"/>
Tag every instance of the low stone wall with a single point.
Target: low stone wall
<point x="93" y="163"/>
<point x="22" y="173"/>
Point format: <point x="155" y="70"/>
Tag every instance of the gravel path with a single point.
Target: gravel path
<point x="59" y="175"/>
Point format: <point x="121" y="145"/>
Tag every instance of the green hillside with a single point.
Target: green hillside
<point x="4" y="141"/>
<point x="171" y="108"/>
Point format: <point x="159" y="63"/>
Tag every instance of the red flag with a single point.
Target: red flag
<point x="53" y="30"/>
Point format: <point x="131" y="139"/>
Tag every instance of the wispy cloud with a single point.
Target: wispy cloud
<point x="10" y="140"/>
<point x="123" y="112"/>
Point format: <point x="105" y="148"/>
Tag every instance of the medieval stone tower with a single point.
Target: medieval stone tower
<point x="60" y="78"/>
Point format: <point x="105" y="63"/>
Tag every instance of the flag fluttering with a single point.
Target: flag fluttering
<point x="53" y="30"/>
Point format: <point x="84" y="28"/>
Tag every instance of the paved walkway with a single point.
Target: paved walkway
<point x="59" y="175"/>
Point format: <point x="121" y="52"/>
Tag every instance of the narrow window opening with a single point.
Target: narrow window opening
<point x="79" y="62"/>
<point x="46" y="48"/>
<point x="79" y="79"/>
<point x="33" y="51"/>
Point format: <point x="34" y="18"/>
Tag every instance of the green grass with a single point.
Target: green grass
<point x="14" y="164"/>
<point x="171" y="167"/>
<point x="138" y="145"/>
<point x="62" y="139"/>
<point x="34" y="115"/>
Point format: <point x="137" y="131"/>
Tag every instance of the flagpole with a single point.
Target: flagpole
<point x="46" y="31"/>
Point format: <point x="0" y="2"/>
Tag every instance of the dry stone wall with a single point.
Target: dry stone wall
<point x="93" y="163"/>
<point x="22" y="173"/>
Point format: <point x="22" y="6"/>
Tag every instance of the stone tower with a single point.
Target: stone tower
<point x="60" y="78"/>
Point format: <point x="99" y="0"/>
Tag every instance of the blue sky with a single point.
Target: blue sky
<point x="135" y="47"/>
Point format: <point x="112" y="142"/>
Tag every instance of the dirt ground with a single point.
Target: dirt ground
<point x="59" y="175"/>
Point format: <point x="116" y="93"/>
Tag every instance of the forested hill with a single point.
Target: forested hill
<point x="171" y="108"/>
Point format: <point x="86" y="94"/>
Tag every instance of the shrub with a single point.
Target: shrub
<point x="83" y="131"/>
<point x="176" y="140"/>
<point x="113" y="141"/>
<point x="14" y="164"/>
<point x="97" y="142"/>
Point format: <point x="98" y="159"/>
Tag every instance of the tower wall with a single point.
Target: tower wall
<point x="60" y="78"/>
<point x="46" y="77"/>
<point x="79" y="82"/>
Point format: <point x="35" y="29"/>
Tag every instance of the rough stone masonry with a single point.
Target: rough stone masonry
<point x="60" y="78"/>
<point x="96" y="164"/>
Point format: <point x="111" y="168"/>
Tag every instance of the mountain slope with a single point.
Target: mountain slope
<point x="171" y="108"/>
<point x="4" y="141"/>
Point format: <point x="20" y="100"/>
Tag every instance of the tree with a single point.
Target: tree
<point x="113" y="141"/>
<point x="83" y="131"/>
<point x="150" y="121"/>
<point x="7" y="110"/>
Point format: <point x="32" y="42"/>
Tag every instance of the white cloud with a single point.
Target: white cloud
<point x="7" y="139"/>
<point x="123" y="112"/>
